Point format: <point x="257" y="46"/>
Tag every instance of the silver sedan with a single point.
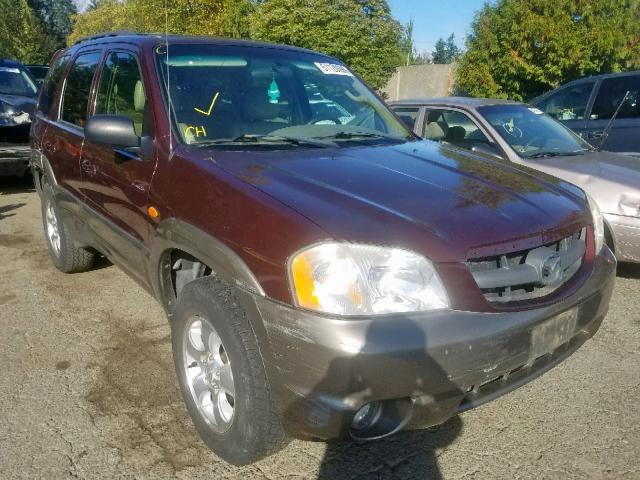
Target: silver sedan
<point x="523" y="135"/>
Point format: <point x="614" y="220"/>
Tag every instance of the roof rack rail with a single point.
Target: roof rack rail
<point x="114" y="33"/>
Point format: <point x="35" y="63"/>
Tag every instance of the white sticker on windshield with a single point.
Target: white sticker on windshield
<point x="333" y="69"/>
<point x="536" y="111"/>
<point x="9" y="70"/>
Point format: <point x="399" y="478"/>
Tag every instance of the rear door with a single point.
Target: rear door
<point x="116" y="181"/>
<point x="624" y="135"/>
<point x="65" y="134"/>
<point x="410" y="116"/>
<point x="570" y="105"/>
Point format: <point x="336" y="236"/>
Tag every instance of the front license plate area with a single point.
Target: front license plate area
<point x="549" y="335"/>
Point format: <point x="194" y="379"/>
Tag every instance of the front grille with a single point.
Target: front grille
<point x="529" y="274"/>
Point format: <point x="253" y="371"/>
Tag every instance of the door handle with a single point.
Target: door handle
<point x="596" y="135"/>
<point x="88" y="168"/>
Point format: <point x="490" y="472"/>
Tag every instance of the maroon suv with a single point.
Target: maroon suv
<point x="325" y="273"/>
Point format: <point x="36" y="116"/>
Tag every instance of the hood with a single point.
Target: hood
<point x="25" y="104"/>
<point x="447" y="204"/>
<point x="608" y="177"/>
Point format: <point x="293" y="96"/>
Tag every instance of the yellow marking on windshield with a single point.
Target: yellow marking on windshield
<point x="208" y="112"/>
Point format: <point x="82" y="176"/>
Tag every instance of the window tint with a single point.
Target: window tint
<point x="16" y="81"/>
<point x="570" y="103"/>
<point x="611" y="93"/>
<point x="408" y="115"/>
<point x="121" y="91"/>
<point x="453" y="127"/>
<point x="78" y="88"/>
<point x="51" y="83"/>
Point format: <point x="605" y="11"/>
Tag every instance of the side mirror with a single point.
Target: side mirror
<point x="487" y="149"/>
<point x="113" y="130"/>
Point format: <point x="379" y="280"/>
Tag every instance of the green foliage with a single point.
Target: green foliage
<point x="21" y="36"/>
<point x="361" y="33"/>
<point x="55" y="17"/>
<point x="446" y="51"/>
<point x="520" y="49"/>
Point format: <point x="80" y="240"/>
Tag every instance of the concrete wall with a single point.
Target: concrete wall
<point x="420" y="81"/>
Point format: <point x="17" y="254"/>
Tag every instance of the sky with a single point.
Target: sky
<point x="432" y="19"/>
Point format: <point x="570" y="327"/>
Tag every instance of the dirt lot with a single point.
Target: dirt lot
<point x="88" y="391"/>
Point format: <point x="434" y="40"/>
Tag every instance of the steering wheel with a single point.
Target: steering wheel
<point x="325" y="118"/>
<point x="530" y="142"/>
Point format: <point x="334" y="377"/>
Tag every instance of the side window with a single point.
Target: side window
<point x="452" y="127"/>
<point x="78" y="88"/>
<point x="408" y="115"/>
<point x="570" y="103"/>
<point x="51" y="84"/>
<point x="121" y="91"/>
<point x="611" y="93"/>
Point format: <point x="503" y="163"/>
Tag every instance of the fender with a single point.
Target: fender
<point x="176" y="234"/>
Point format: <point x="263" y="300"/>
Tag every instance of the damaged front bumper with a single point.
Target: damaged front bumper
<point x="422" y="368"/>
<point x="14" y="159"/>
<point x="626" y="233"/>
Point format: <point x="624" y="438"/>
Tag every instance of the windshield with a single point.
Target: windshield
<point x="531" y="133"/>
<point x="14" y="81"/>
<point x="257" y="97"/>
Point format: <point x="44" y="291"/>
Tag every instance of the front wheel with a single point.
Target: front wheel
<point x="221" y="374"/>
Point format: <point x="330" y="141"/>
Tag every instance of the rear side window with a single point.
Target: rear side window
<point x="121" y="90"/>
<point x="611" y="93"/>
<point x="78" y="88"/>
<point x="408" y="115"/>
<point x="51" y="84"/>
<point x="570" y="103"/>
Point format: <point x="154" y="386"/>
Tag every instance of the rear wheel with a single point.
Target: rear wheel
<point x="62" y="250"/>
<point x="221" y="374"/>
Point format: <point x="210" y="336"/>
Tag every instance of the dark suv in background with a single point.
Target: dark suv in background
<point x="17" y="99"/>
<point x="587" y="105"/>
<point x="325" y="272"/>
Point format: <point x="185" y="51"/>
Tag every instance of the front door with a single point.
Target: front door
<point x="116" y="182"/>
<point x="624" y="135"/>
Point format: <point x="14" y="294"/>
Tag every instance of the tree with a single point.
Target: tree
<point x="195" y="17"/>
<point x="520" y="49"/>
<point x="55" y="17"/>
<point x="21" y="37"/>
<point x="362" y="33"/>
<point x="446" y="51"/>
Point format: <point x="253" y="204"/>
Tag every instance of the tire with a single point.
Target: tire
<point x="207" y="309"/>
<point x="63" y="253"/>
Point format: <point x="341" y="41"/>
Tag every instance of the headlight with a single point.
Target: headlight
<point x="598" y="223"/>
<point x="630" y="207"/>
<point x="347" y="279"/>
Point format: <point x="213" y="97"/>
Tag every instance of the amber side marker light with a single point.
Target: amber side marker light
<point x="153" y="212"/>
<point x="303" y="282"/>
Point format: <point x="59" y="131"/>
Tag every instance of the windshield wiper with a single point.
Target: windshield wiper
<point x="355" y="135"/>
<point x="269" y="139"/>
<point x="558" y="154"/>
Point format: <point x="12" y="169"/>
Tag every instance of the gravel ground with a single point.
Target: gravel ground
<point x="88" y="391"/>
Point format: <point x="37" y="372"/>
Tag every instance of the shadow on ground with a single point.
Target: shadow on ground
<point x="16" y="185"/>
<point x="629" y="270"/>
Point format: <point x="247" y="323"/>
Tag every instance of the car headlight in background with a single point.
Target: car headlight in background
<point x="630" y="206"/>
<point x="598" y="223"/>
<point x="350" y="279"/>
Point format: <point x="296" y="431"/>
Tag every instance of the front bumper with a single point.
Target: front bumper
<point x="626" y="236"/>
<point x="14" y="159"/>
<point x="323" y="369"/>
